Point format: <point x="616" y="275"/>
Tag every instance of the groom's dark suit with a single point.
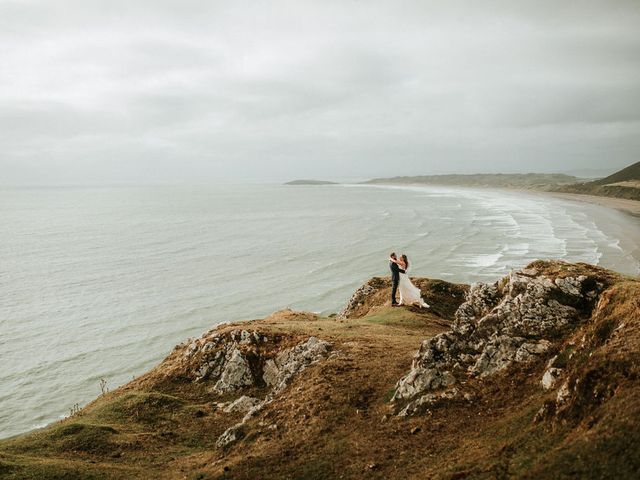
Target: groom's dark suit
<point x="395" y="279"/>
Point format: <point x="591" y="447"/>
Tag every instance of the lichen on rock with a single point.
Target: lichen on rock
<point x="514" y="320"/>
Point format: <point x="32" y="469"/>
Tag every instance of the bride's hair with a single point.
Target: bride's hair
<point x="405" y="260"/>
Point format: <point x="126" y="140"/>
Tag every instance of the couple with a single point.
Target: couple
<point x="409" y="293"/>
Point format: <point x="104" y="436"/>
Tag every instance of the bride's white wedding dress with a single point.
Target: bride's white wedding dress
<point x="409" y="293"/>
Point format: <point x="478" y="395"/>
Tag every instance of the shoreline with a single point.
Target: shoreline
<point x="631" y="207"/>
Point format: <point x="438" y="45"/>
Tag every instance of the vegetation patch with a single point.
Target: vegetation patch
<point x="140" y="407"/>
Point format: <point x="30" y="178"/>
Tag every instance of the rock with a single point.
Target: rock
<point x="278" y="373"/>
<point x="419" y="380"/>
<point x="550" y="378"/>
<point x="415" y="430"/>
<point x="270" y="372"/>
<point x="360" y="295"/>
<point x="564" y="394"/>
<point x="235" y="375"/>
<point x="422" y="403"/>
<point x="231" y="435"/>
<point x="242" y="404"/>
<point x="237" y="359"/>
<point x="511" y="321"/>
<point x="571" y="286"/>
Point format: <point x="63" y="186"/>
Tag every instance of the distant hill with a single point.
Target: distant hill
<point x="622" y="184"/>
<point x="310" y="182"/>
<point x="630" y="173"/>
<point x="538" y="181"/>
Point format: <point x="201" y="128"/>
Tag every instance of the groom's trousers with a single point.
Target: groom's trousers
<point x="395" y="279"/>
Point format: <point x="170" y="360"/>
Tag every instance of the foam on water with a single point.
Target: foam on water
<point x="104" y="282"/>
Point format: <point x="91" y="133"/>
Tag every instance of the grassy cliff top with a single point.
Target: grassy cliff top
<point x="334" y="418"/>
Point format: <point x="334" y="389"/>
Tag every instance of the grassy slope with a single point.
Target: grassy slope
<point x="621" y="184"/>
<point x="333" y="421"/>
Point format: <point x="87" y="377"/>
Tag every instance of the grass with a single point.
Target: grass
<point x="397" y="317"/>
<point x="140" y="407"/>
<point x="333" y="421"/>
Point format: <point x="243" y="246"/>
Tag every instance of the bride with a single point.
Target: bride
<point x="409" y="293"/>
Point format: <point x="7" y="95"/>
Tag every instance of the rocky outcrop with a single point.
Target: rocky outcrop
<point x="236" y="360"/>
<point x="362" y="295"/>
<point x="239" y="359"/>
<point x="511" y="321"/>
<point x="279" y="371"/>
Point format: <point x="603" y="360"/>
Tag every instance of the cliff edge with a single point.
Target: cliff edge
<point x="534" y="376"/>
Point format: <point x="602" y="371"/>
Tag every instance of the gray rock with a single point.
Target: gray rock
<point x="422" y="403"/>
<point x="550" y="378"/>
<point x="278" y="373"/>
<point x="564" y="394"/>
<point x="270" y="372"/>
<point x="571" y="286"/>
<point x="510" y="321"/>
<point x="232" y="361"/>
<point x="242" y="404"/>
<point x="231" y="435"/>
<point x="236" y="373"/>
<point x="419" y="380"/>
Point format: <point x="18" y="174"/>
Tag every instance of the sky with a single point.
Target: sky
<point x="158" y="91"/>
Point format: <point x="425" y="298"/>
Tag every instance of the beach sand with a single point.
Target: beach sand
<point x="628" y="206"/>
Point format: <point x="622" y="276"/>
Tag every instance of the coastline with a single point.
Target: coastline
<point x="626" y="228"/>
<point x="626" y="231"/>
<point x="631" y="207"/>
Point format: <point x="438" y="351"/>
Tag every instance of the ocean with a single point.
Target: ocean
<point x="103" y="282"/>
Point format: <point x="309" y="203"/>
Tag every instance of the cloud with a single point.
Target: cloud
<point x="231" y="91"/>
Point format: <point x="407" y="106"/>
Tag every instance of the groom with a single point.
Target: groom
<point x="395" y="278"/>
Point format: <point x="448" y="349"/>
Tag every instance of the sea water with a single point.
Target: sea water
<point x="103" y="282"/>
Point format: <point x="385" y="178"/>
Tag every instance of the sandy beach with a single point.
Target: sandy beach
<point x="628" y="206"/>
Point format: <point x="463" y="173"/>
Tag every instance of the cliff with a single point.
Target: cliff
<point x="534" y="376"/>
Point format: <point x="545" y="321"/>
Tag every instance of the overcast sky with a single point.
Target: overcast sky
<point x="204" y="91"/>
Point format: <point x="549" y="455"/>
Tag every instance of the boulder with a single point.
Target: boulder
<point x="510" y="321"/>
<point x="242" y="404"/>
<point x="236" y="373"/>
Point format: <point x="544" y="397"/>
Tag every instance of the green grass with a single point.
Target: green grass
<point x="64" y="438"/>
<point x="397" y="317"/>
<point x="140" y="407"/>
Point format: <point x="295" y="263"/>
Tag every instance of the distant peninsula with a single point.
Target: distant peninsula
<point x="310" y="182"/>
